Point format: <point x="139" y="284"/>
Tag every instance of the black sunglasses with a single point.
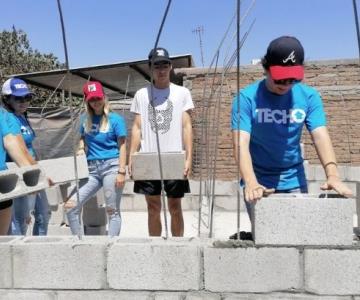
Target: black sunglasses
<point x="286" y="81"/>
<point x="22" y="99"/>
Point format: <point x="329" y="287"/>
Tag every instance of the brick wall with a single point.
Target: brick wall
<point x="336" y="80"/>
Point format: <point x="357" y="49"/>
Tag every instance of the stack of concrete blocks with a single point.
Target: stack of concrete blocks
<point x="178" y="268"/>
<point x="21" y="181"/>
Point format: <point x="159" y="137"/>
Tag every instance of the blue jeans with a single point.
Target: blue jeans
<point x="102" y="173"/>
<point x="23" y="206"/>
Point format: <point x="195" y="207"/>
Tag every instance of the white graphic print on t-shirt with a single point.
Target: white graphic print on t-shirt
<point x="163" y="117"/>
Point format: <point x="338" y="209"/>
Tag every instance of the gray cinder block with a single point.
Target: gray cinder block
<point x="27" y="295"/>
<point x="302" y="220"/>
<point x="102" y="295"/>
<point x="162" y="266"/>
<point x="21" y="181"/>
<point x="332" y="272"/>
<point x="53" y="194"/>
<point x="251" y="269"/>
<point x="60" y="263"/>
<point x="5" y="262"/>
<point x="62" y="169"/>
<point x="145" y="166"/>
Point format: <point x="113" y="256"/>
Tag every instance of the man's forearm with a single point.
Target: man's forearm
<point x="325" y="151"/>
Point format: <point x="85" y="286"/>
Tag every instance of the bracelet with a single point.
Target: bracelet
<point x="122" y="171"/>
<point x="330" y="163"/>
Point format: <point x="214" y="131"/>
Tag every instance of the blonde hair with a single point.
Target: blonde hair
<point x="104" y="118"/>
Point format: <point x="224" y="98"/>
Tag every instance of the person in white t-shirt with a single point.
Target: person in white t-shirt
<point x="173" y="104"/>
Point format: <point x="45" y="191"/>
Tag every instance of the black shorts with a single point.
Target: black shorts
<point x="173" y="188"/>
<point x="5" y="204"/>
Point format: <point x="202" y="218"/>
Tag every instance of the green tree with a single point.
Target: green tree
<point x="17" y="56"/>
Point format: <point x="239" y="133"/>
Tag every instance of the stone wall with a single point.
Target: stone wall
<point x="337" y="81"/>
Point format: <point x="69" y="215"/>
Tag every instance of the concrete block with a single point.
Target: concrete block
<point x="202" y="296"/>
<point x="304" y="221"/>
<point x="309" y="171"/>
<point x="94" y="216"/>
<point x="358" y="203"/>
<point x="128" y="188"/>
<point x="57" y="230"/>
<point x="21" y="181"/>
<point x="251" y="269"/>
<point x="57" y="216"/>
<point x="62" y="169"/>
<point x="103" y="295"/>
<point x="27" y="295"/>
<point x="139" y="203"/>
<point x="319" y="172"/>
<point x="284" y="296"/>
<point x="145" y="166"/>
<point x="127" y="202"/>
<point x="353" y="173"/>
<point x="72" y="259"/>
<point x="54" y="196"/>
<point x="163" y="266"/>
<point x="95" y="230"/>
<point x="5" y="263"/>
<point x="168" y="296"/>
<point x="332" y="272"/>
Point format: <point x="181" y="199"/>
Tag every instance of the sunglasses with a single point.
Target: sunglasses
<point x="286" y="81"/>
<point x="162" y="66"/>
<point x="22" y="99"/>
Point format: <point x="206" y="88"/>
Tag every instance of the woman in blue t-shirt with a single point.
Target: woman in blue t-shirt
<point x="16" y="98"/>
<point x="103" y="139"/>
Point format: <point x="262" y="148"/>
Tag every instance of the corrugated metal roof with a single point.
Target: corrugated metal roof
<point x="119" y="79"/>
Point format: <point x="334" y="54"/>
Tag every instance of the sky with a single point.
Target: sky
<point x="111" y="31"/>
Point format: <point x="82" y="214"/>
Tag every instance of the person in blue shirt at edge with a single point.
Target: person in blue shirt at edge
<point x="103" y="139"/>
<point x="267" y="130"/>
<point x="16" y="98"/>
<point x="11" y="143"/>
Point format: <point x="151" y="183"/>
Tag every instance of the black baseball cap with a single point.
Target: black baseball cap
<point x="285" y="58"/>
<point x="158" y="55"/>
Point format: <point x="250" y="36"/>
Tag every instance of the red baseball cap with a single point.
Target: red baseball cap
<point x="93" y="89"/>
<point x="285" y="58"/>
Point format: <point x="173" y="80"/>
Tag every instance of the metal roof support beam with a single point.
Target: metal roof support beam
<point x="108" y="86"/>
<point x="141" y="72"/>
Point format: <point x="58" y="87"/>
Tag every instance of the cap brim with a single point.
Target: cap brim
<point x="22" y="93"/>
<point x="160" y="59"/>
<point x="285" y="72"/>
<point x="94" y="96"/>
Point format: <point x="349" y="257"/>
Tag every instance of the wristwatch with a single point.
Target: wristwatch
<point x="122" y="171"/>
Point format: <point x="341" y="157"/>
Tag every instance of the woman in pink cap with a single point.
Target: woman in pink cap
<point x="103" y="140"/>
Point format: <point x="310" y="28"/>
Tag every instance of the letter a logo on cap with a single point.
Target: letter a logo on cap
<point x="92" y="88"/>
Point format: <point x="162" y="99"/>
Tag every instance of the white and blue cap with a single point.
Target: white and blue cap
<point x="15" y="87"/>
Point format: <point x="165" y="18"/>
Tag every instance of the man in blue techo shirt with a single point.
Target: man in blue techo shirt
<point x="267" y="126"/>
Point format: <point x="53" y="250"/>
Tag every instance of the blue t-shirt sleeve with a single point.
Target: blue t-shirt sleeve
<point x="9" y="124"/>
<point x="315" y="116"/>
<point x="119" y="125"/>
<point x="241" y="120"/>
